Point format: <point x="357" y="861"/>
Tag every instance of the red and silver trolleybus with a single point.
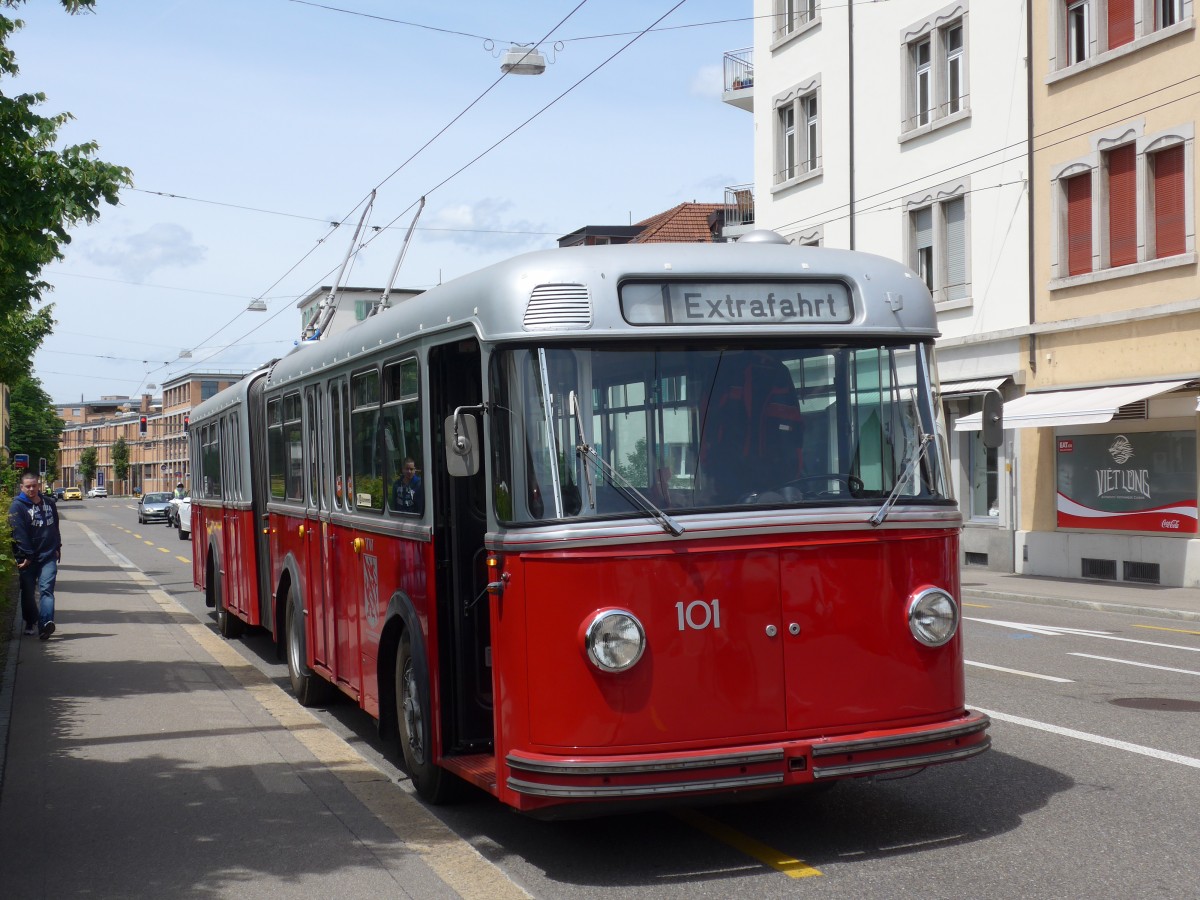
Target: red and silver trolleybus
<point x="603" y="525"/>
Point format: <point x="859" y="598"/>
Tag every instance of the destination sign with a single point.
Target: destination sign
<point x="736" y="303"/>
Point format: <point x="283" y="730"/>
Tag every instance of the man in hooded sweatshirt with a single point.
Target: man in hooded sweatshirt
<point x="37" y="546"/>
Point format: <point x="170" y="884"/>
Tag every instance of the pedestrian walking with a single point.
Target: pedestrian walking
<point x="37" y="547"/>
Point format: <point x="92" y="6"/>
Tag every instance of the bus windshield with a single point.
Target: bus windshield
<point x="701" y="427"/>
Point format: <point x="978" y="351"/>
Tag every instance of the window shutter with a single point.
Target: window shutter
<point x="1169" y="234"/>
<point x="922" y="220"/>
<point x="1122" y="206"/>
<point x="956" y="249"/>
<point x="1120" y="22"/>
<point x="1079" y="224"/>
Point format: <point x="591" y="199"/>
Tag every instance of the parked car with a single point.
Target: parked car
<point x="72" y="493"/>
<point x="183" y="518"/>
<point x="98" y="492"/>
<point x="154" y="507"/>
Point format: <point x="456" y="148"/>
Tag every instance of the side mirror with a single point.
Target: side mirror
<point x="993" y="420"/>
<point x="462" y="445"/>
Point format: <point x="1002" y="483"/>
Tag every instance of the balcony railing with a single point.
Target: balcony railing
<point x="739" y="205"/>
<point x="739" y="69"/>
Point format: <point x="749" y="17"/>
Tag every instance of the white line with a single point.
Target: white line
<point x="1017" y="672"/>
<point x="1130" y="662"/>
<point x="1051" y="631"/>
<point x="1095" y="739"/>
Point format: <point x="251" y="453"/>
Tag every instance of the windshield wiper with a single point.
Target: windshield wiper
<point x="623" y="485"/>
<point x="918" y="454"/>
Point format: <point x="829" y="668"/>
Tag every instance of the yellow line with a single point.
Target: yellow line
<point x="149" y="543"/>
<point x="135" y="535"/>
<point x="978" y="605"/>
<point x="162" y="550"/>
<point x="184" y="559"/>
<point x="1160" y="628"/>
<point x="789" y="866"/>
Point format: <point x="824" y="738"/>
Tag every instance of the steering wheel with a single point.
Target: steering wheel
<point x="854" y="484"/>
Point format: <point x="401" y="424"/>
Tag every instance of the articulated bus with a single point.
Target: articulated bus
<point x="609" y="526"/>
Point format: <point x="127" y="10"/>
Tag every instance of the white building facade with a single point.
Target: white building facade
<point x="901" y="129"/>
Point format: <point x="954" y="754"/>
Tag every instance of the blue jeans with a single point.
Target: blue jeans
<point x="46" y="576"/>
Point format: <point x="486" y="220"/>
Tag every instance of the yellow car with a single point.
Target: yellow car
<point x="72" y="493"/>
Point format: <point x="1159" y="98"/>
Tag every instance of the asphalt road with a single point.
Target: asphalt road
<point x="1091" y="790"/>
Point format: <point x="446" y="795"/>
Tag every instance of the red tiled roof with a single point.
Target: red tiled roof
<point x="686" y="223"/>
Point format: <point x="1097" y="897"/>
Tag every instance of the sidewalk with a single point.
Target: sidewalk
<point x="1109" y="596"/>
<point x="146" y="758"/>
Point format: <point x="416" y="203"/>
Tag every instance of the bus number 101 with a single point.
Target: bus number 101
<point x="699" y="615"/>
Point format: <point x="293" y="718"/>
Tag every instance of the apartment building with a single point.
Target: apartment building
<point x="158" y="456"/>
<point x="900" y="129"/>
<point x="1108" y="424"/>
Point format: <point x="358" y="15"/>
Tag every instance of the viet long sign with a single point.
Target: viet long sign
<point x="1143" y="481"/>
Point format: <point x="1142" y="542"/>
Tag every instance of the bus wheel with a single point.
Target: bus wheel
<point x="228" y="624"/>
<point x="309" y="687"/>
<point x="433" y="784"/>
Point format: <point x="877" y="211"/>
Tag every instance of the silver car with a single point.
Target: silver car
<point x="154" y="507"/>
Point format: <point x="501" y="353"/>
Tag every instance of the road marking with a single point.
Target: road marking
<point x="455" y="861"/>
<point x="1130" y="662"/>
<point x="184" y="559"/>
<point x="789" y="866"/>
<point x="1162" y="755"/>
<point x="978" y="605"/>
<point x="150" y="543"/>
<point x="1162" y="628"/>
<point x="1055" y="631"/>
<point x="138" y="536"/>
<point x="1018" y="672"/>
<point x="162" y="550"/>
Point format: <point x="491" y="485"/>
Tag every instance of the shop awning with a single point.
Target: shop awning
<point x="952" y="388"/>
<point x="1084" y="407"/>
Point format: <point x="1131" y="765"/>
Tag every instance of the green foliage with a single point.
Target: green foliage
<point x="44" y="192"/>
<point x="36" y="428"/>
<point x="636" y="467"/>
<point x="120" y="458"/>
<point x="87" y="464"/>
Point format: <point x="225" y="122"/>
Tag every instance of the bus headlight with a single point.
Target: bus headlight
<point x="615" y="640"/>
<point x="933" y="617"/>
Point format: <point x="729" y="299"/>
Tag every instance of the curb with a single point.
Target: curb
<point x="7" y="687"/>
<point x="1186" y="615"/>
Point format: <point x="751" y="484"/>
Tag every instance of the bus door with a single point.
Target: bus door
<point x="314" y="525"/>
<point x="340" y="570"/>
<point x="237" y="546"/>
<point x="459" y="526"/>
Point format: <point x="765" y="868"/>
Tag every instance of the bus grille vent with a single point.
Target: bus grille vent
<point x="558" y="306"/>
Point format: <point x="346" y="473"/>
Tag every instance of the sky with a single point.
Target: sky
<point x="252" y="126"/>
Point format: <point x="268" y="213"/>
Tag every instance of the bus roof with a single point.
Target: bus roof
<point x="572" y="294"/>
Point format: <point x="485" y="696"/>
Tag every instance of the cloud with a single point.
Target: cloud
<point x="484" y="224"/>
<point x="161" y="246"/>
<point x="708" y="82"/>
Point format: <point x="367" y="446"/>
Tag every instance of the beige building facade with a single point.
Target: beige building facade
<point x="1108" y="423"/>
<point x="158" y="457"/>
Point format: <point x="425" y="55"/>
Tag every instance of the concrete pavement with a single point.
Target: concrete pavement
<point x="1119" y="597"/>
<point x="145" y="757"/>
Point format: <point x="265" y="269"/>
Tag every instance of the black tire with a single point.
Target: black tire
<point x="184" y="536"/>
<point x="228" y="624"/>
<point x="434" y="784"/>
<point x="309" y="687"/>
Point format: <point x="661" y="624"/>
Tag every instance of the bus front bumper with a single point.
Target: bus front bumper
<point x="752" y="767"/>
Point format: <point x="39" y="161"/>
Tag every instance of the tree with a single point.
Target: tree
<point x="36" y="428"/>
<point x="87" y="464"/>
<point x="44" y="192"/>
<point x="120" y="459"/>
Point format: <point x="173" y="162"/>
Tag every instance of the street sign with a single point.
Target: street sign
<point x="21" y="460"/>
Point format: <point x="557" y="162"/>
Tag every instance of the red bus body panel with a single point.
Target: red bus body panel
<point x="811" y="648"/>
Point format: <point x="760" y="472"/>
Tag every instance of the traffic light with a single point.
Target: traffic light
<point x="187" y="420"/>
<point x="142" y="425"/>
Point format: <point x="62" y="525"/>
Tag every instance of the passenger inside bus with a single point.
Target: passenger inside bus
<point x="751" y="437"/>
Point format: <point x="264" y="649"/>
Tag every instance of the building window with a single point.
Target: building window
<point x="208" y="389"/>
<point x="1167" y="13"/>
<point x="1121" y="166"/>
<point x="1169" y="237"/>
<point x="1120" y="22"/>
<point x="937" y="240"/>
<point x="983" y="471"/>
<point x="935" y="86"/>
<point x="797" y="134"/>
<point x="1136" y="211"/>
<point x="793" y="16"/>
<point x="362" y="309"/>
<point x="1079" y="223"/>
<point x="1078" y="31"/>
